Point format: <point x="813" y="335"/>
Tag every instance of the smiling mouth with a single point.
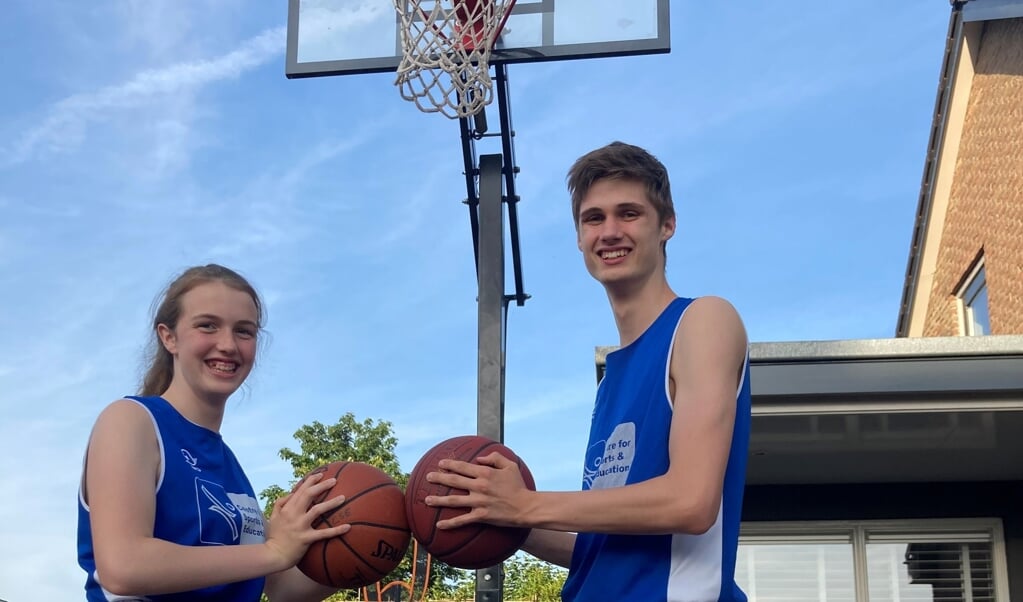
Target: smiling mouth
<point x="222" y="367"/>
<point x="613" y="254"/>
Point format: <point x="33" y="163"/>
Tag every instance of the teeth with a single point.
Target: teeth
<point x="223" y="366"/>
<point x="614" y="254"/>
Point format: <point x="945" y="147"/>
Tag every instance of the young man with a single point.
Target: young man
<point x="658" y="514"/>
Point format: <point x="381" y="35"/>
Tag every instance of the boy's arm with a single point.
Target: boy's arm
<point x="706" y="365"/>
<point x="551" y="546"/>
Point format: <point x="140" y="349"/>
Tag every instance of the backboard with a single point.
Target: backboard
<point x="337" y="37"/>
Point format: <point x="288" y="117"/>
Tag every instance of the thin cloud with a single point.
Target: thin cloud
<point x="282" y="213"/>
<point x="64" y="129"/>
<point x="568" y="396"/>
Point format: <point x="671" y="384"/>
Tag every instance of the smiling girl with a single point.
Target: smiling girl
<point x="165" y="510"/>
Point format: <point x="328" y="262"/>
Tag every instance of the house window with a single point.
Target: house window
<point x="973" y="303"/>
<point x="794" y="567"/>
<point x="929" y="570"/>
<point x="873" y="561"/>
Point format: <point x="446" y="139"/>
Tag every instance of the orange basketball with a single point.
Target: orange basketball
<point x="375" y="508"/>
<point x="474" y="546"/>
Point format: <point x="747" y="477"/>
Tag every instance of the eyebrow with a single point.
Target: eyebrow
<point x="217" y="318"/>
<point x="629" y="205"/>
<point x="616" y="207"/>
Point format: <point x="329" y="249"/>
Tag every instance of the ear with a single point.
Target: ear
<point x="168" y="339"/>
<point x="668" y="229"/>
<point x="578" y="239"/>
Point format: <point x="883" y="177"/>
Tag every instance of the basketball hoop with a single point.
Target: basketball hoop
<point x="446" y="44"/>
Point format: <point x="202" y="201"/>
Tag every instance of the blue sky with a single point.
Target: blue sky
<point x="140" y="137"/>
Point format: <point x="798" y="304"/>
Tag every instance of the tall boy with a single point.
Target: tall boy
<point x="658" y="514"/>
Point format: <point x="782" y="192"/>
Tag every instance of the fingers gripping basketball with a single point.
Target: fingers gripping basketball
<point x="473" y="546"/>
<point x="375" y="508"/>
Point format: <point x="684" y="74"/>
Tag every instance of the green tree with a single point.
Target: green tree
<point x="349" y="440"/>
<point x="528" y="578"/>
<point x="463" y="590"/>
<point x="371" y="442"/>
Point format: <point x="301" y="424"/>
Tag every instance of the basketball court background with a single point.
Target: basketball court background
<point x="135" y="142"/>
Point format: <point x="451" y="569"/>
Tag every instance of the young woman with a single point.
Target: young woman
<point x="165" y="510"/>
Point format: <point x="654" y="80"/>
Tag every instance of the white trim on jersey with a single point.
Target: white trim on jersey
<point x="695" y="569"/>
<point x="671" y="350"/>
<point x="159" y="441"/>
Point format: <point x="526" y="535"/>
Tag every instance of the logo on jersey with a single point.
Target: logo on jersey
<point x="608" y="461"/>
<point x="191" y="460"/>
<point x="253" y="527"/>
<point x="227" y="518"/>
<point x="219" y="520"/>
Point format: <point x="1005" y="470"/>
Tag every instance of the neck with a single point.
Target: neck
<point x="636" y="310"/>
<point x="204" y="412"/>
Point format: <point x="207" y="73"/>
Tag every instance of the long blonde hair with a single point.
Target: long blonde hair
<point x="161" y="363"/>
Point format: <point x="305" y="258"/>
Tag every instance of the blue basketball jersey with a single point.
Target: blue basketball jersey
<point x="203" y="498"/>
<point x="628" y="444"/>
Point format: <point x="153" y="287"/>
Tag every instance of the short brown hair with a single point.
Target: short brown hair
<point x="621" y="161"/>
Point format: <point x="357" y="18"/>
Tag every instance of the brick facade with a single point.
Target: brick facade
<point x="985" y="210"/>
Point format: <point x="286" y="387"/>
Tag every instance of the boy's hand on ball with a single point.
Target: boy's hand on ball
<point x="497" y="493"/>
<point x="460" y="501"/>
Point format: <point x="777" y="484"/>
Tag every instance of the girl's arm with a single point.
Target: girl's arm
<point x="119" y="486"/>
<point x="293" y="586"/>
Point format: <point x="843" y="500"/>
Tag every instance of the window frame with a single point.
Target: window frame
<point x="965" y="294"/>
<point x="858" y="532"/>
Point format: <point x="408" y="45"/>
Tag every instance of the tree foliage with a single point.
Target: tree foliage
<point x="533" y="580"/>
<point x="526" y="579"/>
<point x="349" y="440"/>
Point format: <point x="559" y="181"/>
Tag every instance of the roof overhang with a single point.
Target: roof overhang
<point x="886" y="410"/>
<point x="942" y="147"/>
<point x="964" y="40"/>
<point x="987" y="10"/>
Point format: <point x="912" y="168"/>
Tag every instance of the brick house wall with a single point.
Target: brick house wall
<point x="985" y="210"/>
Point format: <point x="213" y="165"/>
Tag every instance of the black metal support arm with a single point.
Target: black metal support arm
<point x="476" y="128"/>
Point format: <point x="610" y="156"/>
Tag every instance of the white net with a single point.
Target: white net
<point x="446" y="44"/>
